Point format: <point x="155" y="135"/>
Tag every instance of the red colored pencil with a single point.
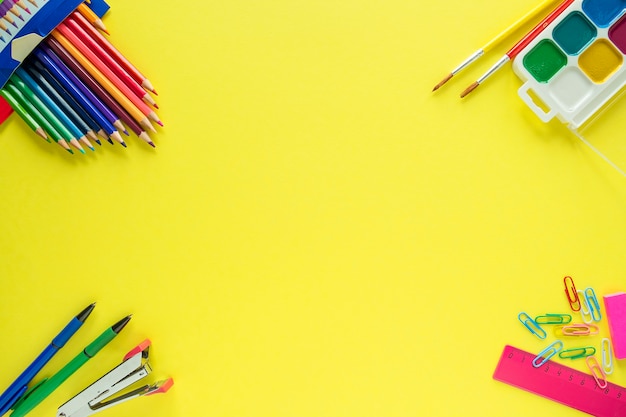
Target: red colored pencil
<point x="90" y="56"/>
<point x="109" y="61"/>
<point x="112" y="50"/>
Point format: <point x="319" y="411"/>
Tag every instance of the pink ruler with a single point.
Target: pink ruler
<point x="560" y="383"/>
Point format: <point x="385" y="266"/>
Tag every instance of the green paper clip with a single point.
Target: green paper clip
<point x="553" y="319"/>
<point x="577" y="353"/>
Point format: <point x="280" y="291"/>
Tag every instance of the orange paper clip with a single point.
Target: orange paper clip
<point x="577" y="329"/>
<point x="596" y="371"/>
<point x="571" y="293"/>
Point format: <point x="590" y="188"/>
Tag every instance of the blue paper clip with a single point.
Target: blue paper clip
<point x="547" y="353"/>
<point x="532" y="325"/>
<point x="592" y="303"/>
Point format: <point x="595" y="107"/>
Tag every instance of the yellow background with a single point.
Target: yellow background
<point x="316" y="234"/>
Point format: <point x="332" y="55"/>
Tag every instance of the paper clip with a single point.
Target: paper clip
<point x="577" y="329"/>
<point x="596" y="371"/>
<point x="585" y="311"/>
<point x="547" y="353"/>
<point x="592" y="303"/>
<point x="532" y="325"/>
<point x="577" y="353"/>
<point x="571" y="293"/>
<point x="96" y="397"/>
<point x="553" y="319"/>
<point x="607" y="356"/>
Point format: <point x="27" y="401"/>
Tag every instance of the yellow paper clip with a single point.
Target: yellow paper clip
<point x="577" y="353"/>
<point x="547" y="353"/>
<point x="596" y="371"/>
<point x="585" y="311"/>
<point x="532" y="325"/>
<point x="577" y="329"/>
<point x="553" y="319"/>
<point x="607" y="356"/>
<point x="592" y="303"/>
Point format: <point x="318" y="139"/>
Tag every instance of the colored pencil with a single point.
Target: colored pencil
<point x="80" y="111"/>
<point x="13" y="10"/>
<point x="110" y="108"/>
<point x="28" y="118"/>
<point x="532" y="14"/>
<point x="114" y="52"/>
<point x="97" y="89"/>
<point x="5" y="28"/>
<point x="61" y="114"/>
<point x="50" y="111"/>
<point x="519" y="46"/>
<point x="78" y="90"/>
<point x="91" y="17"/>
<point x="107" y="62"/>
<point x="135" y="106"/>
<point x="50" y="129"/>
<point x="22" y="5"/>
<point x="64" y="105"/>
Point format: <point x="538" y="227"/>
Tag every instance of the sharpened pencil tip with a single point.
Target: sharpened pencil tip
<point x="98" y="141"/>
<point x="160" y="123"/>
<point x="123" y="144"/>
<point x="126" y="132"/>
<point x="442" y="82"/>
<point x="110" y="141"/>
<point x="82" y="151"/>
<point x="154" y="91"/>
<point x="70" y="151"/>
<point x="469" y="89"/>
<point x="152" y="144"/>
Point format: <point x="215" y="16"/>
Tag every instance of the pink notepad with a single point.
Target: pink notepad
<point x="615" y="306"/>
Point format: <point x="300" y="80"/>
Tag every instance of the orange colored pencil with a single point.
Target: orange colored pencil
<point x="108" y="61"/>
<point x="112" y="50"/>
<point x="91" y="17"/>
<point x="143" y="117"/>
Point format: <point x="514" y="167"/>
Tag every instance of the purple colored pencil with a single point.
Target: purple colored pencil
<point x="74" y="86"/>
<point x="96" y="88"/>
<point x="50" y="50"/>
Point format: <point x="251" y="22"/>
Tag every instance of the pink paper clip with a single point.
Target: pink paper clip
<point x="571" y="293"/>
<point x="577" y="329"/>
<point x="596" y="371"/>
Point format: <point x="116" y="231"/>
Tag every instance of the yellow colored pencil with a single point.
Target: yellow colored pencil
<point x="92" y="17"/>
<point x="532" y="14"/>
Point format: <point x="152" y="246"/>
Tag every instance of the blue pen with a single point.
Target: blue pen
<point x="19" y="386"/>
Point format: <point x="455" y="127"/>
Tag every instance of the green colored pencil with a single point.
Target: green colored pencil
<point x="50" y="130"/>
<point x="45" y="110"/>
<point x="24" y="114"/>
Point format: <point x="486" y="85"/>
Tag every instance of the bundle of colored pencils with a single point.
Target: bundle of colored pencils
<point x="76" y="87"/>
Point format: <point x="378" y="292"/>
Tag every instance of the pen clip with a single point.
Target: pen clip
<point x="25" y="393"/>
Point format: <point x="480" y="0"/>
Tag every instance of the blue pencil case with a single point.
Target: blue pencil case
<point x="30" y="30"/>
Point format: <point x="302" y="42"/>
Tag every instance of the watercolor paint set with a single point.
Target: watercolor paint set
<point x="576" y="67"/>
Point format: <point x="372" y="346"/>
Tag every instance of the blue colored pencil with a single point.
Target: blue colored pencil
<point x="54" y="83"/>
<point x="61" y="102"/>
<point x="73" y="85"/>
<point x="25" y="78"/>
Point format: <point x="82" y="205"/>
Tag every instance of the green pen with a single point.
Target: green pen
<point x="31" y="400"/>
